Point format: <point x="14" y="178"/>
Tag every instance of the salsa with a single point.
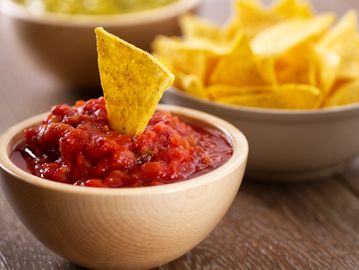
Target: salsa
<point x="74" y="145"/>
<point x="93" y="7"/>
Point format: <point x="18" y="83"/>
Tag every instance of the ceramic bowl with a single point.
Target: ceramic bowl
<point x="288" y="145"/>
<point x="65" y="45"/>
<point x="124" y="228"/>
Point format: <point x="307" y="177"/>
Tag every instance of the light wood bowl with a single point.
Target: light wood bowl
<point x="124" y="228"/>
<point x="65" y="45"/>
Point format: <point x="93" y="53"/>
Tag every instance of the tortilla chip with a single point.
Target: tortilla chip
<point x="290" y="68"/>
<point x="219" y="90"/>
<point x="343" y="40"/>
<point x="132" y="80"/>
<point x="192" y="57"/>
<point x="252" y="18"/>
<point x="241" y="68"/>
<point x="191" y="84"/>
<point x="338" y="52"/>
<point x="282" y="37"/>
<point x="293" y="9"/>
<point x="328" y="66"/>
<point x="194" y="27"/>
<point x="344" y="95"/>
<point x="291" y="96"/>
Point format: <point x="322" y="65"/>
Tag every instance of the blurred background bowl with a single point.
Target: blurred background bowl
<point x="288" y="145"/>
<point x="124" y="228"/>
<point x="66" y="45"/>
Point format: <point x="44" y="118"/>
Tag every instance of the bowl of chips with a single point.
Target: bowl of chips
<point x="288" y="145"/>
<point x="63" y="42"/>
<point x="289" y="78"/>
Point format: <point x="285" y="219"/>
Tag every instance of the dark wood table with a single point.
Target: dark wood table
<point x="312" y="225"/>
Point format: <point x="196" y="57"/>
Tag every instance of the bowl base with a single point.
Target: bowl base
<point x="296" y="177"/>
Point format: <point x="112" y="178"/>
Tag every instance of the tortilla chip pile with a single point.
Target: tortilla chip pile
<point x="283" y="56"/>
<point x="132" y="80"/>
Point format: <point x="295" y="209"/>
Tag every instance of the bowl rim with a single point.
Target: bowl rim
<point x="238" y="159"/>
<point x="19" y="11"/>
<point x="267" y="112"/>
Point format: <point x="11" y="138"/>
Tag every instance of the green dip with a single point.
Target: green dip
<point x="93" y="7"/>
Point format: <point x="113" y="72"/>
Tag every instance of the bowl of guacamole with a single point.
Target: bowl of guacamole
<point x="93" y="7"/>
<point x="58" y="34"/>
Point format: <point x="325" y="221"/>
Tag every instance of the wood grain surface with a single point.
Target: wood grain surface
<point x="312" y="225"/>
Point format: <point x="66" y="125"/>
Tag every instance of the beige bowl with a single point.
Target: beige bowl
<point x="66" y="46"/>
<point x="288" y="145"/>
<point x="124" y="228"/>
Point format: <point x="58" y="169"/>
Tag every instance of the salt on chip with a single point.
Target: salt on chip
<point x="132" y="80"/>
<point x="240" y="67"/>
<point x="290" y="33"/>
<point x="291" y="96"/>
<point x="344" y="95"/>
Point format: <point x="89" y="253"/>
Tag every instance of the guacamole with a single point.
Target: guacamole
<point x="93" y="7"/>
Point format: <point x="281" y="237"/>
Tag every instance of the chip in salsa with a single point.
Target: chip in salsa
<point x="119" y="140"/>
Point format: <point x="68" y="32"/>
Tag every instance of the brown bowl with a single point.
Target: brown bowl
<point x="66" y="45"/>
<point x="124" y="228"/>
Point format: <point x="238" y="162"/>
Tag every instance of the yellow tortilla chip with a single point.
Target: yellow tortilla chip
<point x="194" y="27"/>
<point x="163" y="60"/>
<point x="298" y="66"/>
<point x="189" y="58"/>
<point x="328" y="65"/>
<point x="342" y="40"/>
<point x="344" y="95"/>
<point x="336" y="85"/>
<point x="252" y="18"/>
<point x="219" y="90"/>
<point x="132" y="80"/>
<point x="282" y="97"/>
<point x="191" y="84"/>
<point x="293" y="9"/>
<point x="338" y="52"/>
<point x="345" y="29"/>
<point x="288" y="34"/>
<point x="241" y="68"/>
<point x="249" y="18"/>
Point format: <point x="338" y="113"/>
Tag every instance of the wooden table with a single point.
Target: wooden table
<point x="269" y="226"/>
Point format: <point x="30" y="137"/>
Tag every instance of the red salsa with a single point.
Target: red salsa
<point x="74" y="145"/>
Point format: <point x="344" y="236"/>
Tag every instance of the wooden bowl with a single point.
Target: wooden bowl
<point x="124" y="228"/>
<point x="288" y="145"/>
<point x="65" y="45"/>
